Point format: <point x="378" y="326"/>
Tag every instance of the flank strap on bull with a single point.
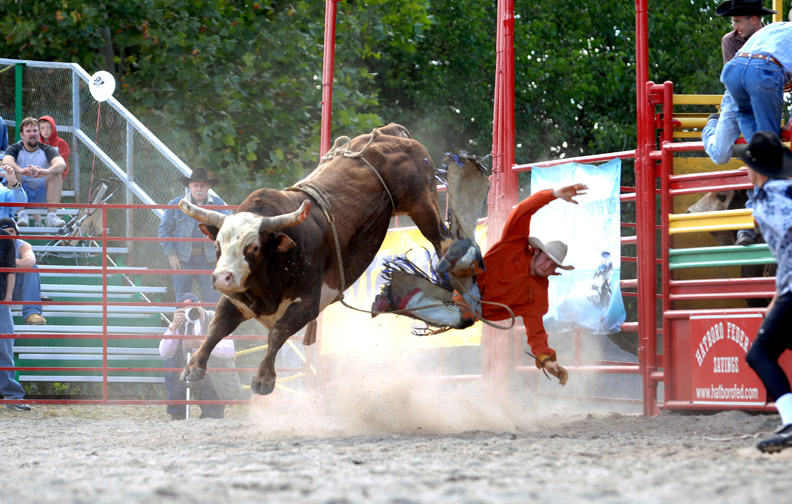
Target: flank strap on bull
<point x="320" y="199"/>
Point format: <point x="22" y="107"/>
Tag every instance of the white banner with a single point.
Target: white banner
<point x="588" y="296"/>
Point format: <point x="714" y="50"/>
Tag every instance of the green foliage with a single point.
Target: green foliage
<point x="236" y="87"/>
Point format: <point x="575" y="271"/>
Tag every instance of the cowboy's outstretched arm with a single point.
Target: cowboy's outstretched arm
<point x="566" y="193"/>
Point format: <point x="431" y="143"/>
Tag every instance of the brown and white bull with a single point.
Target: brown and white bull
<point x="278" y="257"/>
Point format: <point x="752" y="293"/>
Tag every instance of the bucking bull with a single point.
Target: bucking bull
<point x="286" y="255"/>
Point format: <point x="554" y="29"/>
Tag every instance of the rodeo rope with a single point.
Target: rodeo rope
<point x="485" y="321"/>
<point x="318" y="196"/>
<point x="341" y="147"/>
<point x="320" y="199"/>
<point x="338" y="150"/>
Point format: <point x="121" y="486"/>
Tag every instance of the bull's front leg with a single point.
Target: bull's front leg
<point x="226" y="319"/>
<point x="263" y="381"/>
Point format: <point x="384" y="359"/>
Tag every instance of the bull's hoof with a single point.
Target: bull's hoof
<point x="261" y="386"/>
<point x="193" y="373"/>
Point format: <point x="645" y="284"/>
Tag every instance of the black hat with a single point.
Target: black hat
<point x="742" y="8"/>
<point x="198" y="175"/>
<point x="7" y="223"/>
<point x="765" y="154"/>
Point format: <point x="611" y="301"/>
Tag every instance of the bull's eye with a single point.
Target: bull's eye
<point x="721" y="197"/>
<point x="252" y="249"/>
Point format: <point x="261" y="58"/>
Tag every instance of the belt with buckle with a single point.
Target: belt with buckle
<point x="765" y="57"/>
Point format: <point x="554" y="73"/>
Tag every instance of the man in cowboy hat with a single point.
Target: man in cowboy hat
<point x="746" y="18"/>
<point x="722" y="130"/>
<point x="190" y="255"/>
<point x="514" y="281"/>
<point x="769" y="166"/>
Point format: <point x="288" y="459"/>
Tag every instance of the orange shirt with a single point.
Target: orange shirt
<point x="508" y="280"/>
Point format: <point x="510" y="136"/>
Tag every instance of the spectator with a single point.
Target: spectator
<point x="41" y="167"/>
<point x="49" y="136"/>
<point x="722" y="130"/>
<point x="10" y="388"/>
<point x="11" y="190"/>
<point x="515" y="274"/>
<point x="221" y="385"/>
<point x="769" y="166"/>
<point x="190" y="255"/>
<point x="27" y="287"/>
<point x="3" y="136"/>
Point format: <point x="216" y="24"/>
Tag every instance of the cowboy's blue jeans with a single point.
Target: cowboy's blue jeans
<point x="720" y="134"/>
<point x="757" y="88"/>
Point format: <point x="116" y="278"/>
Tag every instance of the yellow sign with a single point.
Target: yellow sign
<point x="345" y="330"/>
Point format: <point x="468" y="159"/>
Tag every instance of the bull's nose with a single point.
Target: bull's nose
<point x="223" y="281"/>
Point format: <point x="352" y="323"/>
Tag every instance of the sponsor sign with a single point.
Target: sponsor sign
<point x="718" y="345"/>
<point x="590" y="295"/>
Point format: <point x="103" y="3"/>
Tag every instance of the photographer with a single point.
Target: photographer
<point x="221" y="385"/>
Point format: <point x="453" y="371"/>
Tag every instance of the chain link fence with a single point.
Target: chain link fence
<point x="106" y="142"/>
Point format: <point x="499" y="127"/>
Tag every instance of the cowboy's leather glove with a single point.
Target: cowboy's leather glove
<point x="548" y="363"/>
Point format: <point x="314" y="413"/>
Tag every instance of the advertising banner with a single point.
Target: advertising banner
<point x="718" y="345"/>
<point x="590" y="295"/>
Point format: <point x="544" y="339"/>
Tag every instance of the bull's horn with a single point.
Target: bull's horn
<point x="283" y="221"/>
<point x="211" y="217"/>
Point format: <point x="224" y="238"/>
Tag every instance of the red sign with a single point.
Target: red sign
<point x="720" y="374"/>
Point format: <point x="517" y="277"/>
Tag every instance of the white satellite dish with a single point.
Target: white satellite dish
<point x="102" y="85"/>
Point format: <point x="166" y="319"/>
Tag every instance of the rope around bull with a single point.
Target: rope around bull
<point x="316" y="193"/>
<point x="342" y="147"/>
<point x="346" y="151"/>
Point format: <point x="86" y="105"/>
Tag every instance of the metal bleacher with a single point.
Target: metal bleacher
<point x="107" y="142"/>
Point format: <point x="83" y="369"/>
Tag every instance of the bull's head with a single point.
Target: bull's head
<point x="241" y="238"/>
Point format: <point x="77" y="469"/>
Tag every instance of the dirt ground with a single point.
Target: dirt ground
<point x="390" y="442"/>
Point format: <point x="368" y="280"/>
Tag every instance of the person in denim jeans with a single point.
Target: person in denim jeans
<point x="722" y="130"/>
<point x="9" y="387"/>
<point x="190" y="255"/>
<point x="755" y="78"/>
<point x="27" y="287"/>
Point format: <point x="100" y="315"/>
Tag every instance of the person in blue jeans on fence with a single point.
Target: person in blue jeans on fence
<point x="9" y="387"/>
<point x="723" y="129"/>
<point x="190" y="255"/>
<point x="769" y="166"/>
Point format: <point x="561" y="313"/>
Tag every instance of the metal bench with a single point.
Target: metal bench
<point x="732" y="255"/>
<point x="68" y="356"/>
<point x="74" y="249"/>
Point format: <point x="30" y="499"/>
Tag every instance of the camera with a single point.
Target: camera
<point x="193" y="314"/>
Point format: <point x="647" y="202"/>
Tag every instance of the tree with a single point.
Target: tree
<point x="236" y="86"/>
<point x="231" y="86"/>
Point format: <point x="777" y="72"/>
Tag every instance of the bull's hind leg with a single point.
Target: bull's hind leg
<point x="226" y="319"/>
<point x="426" y="215"/>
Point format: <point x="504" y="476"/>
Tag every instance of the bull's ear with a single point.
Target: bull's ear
<point x="283" y="241"/>
<point x="209" y="231"/>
